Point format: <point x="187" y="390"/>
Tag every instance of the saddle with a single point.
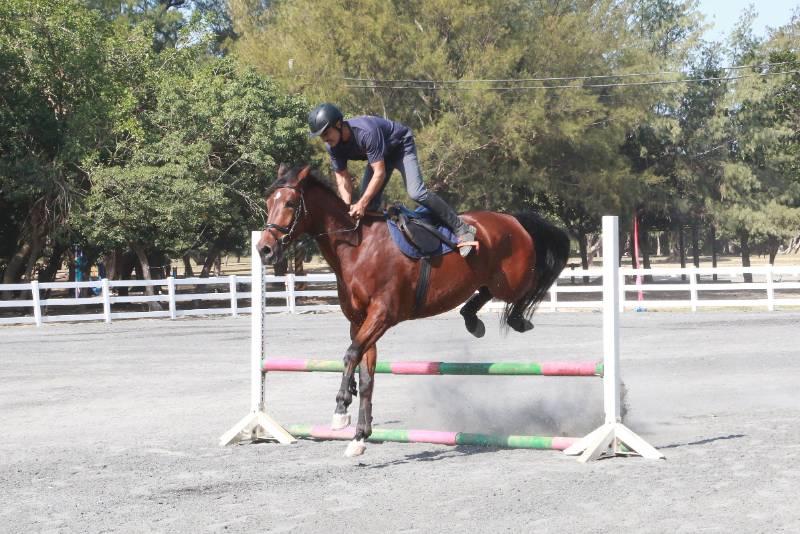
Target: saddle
<point x="417" y="233"/>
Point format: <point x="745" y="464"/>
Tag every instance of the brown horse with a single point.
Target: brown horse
<point x="520" y="256"/>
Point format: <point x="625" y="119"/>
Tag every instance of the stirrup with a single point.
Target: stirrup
<point x="465" y="247"/>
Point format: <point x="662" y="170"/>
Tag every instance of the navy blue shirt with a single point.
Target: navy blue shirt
<point x="372" y="139"/>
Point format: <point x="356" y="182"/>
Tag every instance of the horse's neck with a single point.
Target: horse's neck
<point x="332" y="227"/>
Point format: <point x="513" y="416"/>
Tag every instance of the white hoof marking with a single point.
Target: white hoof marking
<point x="340" y="421"/>
<point x="355" y="448"/>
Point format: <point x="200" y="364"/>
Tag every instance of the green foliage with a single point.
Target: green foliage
<point x="54" y="110"/>
<point x="211" y="142"/>
<point x="760" y="185"/>
<point x="481" y="146"/>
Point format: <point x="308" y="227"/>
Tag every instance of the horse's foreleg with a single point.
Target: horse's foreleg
<point x="363" y="343"/>
<point x="366" y="383"/>
<point x="470" y="310"/>
<point x="344" y="397"/>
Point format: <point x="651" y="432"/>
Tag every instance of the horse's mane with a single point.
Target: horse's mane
<point x="313" y="179"/>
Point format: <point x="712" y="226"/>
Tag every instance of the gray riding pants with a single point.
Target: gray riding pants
<point x="408" y="166"/>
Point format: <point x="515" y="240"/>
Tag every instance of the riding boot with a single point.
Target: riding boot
<point x="464" y="232"/>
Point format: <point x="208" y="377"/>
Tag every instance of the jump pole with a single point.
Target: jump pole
<point x="612" y="434"/>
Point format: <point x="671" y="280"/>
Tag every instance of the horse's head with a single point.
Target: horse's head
<point x="286" y="211"/>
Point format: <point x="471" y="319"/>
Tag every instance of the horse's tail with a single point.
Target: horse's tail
<point x="552" y="251"/>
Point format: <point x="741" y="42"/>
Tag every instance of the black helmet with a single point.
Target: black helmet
<point x="322" y="117"/>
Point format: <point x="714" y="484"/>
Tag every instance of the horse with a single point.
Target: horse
<point x="518" y="259"/>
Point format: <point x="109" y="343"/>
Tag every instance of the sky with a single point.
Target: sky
<point x="724" y="14"/>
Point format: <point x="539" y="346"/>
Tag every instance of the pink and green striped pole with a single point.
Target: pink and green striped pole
<point x="555" y="368"/>
<point x="438" y="437"/>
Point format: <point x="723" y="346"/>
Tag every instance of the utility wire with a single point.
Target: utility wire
<point x="548" y="79"/>
<point x="433" y="84"/>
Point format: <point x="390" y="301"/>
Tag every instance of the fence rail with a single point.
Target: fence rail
<point x="675" y="288"/>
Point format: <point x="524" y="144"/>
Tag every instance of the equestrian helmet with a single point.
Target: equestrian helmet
<point x="322" y="117"/>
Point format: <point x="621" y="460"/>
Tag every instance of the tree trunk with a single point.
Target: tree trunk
<point x="16" y="266"/>
<point x="772" y="244"/>
<point x="37" y="244"/>
<point x="14" y="270"/>
<point x="745" y="249"/>
<point x="144" y="263"/>
<point x="713" y="238"/>
<point x="48" y="274"/>
<point x="583" y="250"/>
<point x="211" y="259"/>
<point x="593" y="248"/>
<point x="682" y="250"/>
<point x="113" y="261"/>
<point x="644" y="248"/>
<point x="695" y="245"/>
<point x="126" y="264"/>
<point x="188" y="272"/>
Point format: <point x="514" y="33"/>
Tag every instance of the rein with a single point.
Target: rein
<point x="287" y="232"/>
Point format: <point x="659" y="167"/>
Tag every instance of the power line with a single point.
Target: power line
<point x="549" y="79"/>
<point x="421" y="84"/>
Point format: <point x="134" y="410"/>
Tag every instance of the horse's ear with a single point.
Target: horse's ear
<point x="304" y="172"/>
<point x="282" y="168"/>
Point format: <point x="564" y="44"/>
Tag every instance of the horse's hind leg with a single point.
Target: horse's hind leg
<point x="470" y="310"/>
<point x="516" y="318"/>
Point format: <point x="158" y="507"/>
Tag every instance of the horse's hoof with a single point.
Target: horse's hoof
<point x="479" y="329"/>
<point x="355" y="448"/>
<point x="520" y="324"/>
<point x="340" y="421"/>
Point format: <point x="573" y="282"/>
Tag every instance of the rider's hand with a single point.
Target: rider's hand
<point x="358" y="210"/>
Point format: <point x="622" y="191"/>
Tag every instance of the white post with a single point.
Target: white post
<point x="290" y="292"/>
<point x="234" y="298"/>
<point x="770" y="289"/>
<point x="610" y="436"/>
<point x="611" y="309"/>
<point x="256" y="323"/>
<point x="257" y="423"/>
<point x="37" y="307"/>
<point x="693" y="287"/>
<point x="554" y="296"/>
<point x="106" y="296"/>
<point x="171" y="291"/>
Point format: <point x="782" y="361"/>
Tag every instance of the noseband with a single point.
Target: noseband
<point x="298" y="212"/>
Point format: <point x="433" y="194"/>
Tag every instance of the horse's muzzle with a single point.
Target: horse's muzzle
<point x="270" y="255"/>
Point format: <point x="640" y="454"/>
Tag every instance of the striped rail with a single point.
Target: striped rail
<point x="323" y="432"/>
<point x="444" y="368"/>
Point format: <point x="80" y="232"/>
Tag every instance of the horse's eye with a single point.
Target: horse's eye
<point x="291" y="205"/>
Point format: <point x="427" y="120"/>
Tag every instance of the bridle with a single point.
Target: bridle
<point x="298" y="212"/>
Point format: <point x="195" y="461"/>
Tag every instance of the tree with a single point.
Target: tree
<point x="759" y="202"/>
<point x="501" y="144"/>
<point x="53" y="120"/>
<point x="212" y="139"/>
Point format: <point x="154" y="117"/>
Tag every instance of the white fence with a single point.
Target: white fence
<point x="692" y="288"/>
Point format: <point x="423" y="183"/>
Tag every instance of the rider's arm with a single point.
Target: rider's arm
<point x="375" y="183"/>
<point x="344" y="182"/>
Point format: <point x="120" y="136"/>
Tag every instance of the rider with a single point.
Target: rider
<point x="386" y="145"/>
